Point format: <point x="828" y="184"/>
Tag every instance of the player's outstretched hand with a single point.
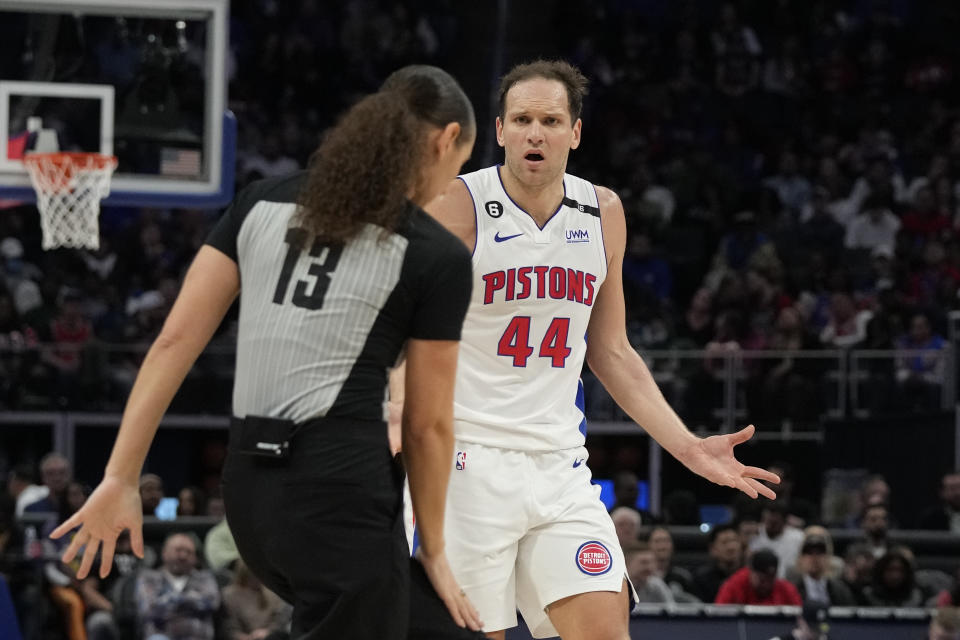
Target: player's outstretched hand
<point x="112" y="507"/>
<point x="441" y="577"/>
<point x="713" y="459"/>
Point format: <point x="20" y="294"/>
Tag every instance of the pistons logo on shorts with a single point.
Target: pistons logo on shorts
<point x="593" y="558"/>
<point x="461" y="460"/>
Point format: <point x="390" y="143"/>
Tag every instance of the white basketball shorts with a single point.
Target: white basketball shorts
<point x="525" y="529"/>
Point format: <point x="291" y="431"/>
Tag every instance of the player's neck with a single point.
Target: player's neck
<point x="540" y="201"/>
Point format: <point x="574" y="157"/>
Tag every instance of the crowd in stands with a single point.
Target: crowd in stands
<point x="777" y="553"/>
<point x="790" y="171"/>
<point x="790" y="184"/>
<point x="194" y="586"/>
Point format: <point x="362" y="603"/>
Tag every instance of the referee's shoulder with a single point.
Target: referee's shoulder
<point x="436" y="239"/>
<point x="285" y="188"/>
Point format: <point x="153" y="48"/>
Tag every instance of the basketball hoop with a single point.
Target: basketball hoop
<point x="69" y="189"/>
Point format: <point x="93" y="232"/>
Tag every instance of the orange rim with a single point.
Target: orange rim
<point x="67" y="162"/>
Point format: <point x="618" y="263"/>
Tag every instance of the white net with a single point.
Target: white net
<point x="69" y="189"/>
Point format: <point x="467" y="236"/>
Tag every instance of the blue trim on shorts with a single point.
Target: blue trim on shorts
<point x="581" y="404"/>
<point x="416" y="541"/>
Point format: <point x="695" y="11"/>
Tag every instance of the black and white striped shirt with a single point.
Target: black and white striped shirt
<point x="320" y="328"/>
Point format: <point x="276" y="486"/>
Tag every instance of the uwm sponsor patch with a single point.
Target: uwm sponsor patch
<point x="593" y="558"/>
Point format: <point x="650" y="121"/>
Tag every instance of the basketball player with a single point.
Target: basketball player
<point x="340" y="269"/>
<point x="525" y="529"/>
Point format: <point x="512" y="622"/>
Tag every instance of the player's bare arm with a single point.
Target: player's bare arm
<point x="454" y="210"/>
<point x="626" y="377"/>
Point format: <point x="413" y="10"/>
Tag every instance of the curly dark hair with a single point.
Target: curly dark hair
<point x="571" y="77"/>
<point x="362" y="171"/>
<point x="371" y="161"/>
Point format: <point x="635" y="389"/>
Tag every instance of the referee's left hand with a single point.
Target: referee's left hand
<point x="112" y="507"/>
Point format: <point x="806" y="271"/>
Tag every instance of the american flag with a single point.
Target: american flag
<point x="179" y="162"/>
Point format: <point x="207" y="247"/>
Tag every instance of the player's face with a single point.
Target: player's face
<point x="537" y="132"/>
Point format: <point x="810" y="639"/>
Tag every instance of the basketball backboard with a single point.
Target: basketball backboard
<point x="144" y="80"/>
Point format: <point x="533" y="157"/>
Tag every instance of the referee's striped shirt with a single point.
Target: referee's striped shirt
<point x="320" y="328"/>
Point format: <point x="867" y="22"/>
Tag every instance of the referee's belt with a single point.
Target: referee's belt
<point x="262" y="436"/>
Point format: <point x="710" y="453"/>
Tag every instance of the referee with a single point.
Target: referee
<point x="341" y="273"/>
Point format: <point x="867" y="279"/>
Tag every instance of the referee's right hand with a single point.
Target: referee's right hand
<point x="456" y="601"/>
<point x="112" y="507"/>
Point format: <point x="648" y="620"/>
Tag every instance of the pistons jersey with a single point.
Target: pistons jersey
<point x="524" y="337"/>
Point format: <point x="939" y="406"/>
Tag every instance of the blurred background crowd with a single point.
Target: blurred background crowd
<point x="790" y="171"/>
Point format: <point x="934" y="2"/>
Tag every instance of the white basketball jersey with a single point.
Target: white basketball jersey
<point x="524" y="338"/>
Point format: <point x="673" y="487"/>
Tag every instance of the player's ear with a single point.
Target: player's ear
<point x="576" y="134"/>
<point x="499" y="131"/>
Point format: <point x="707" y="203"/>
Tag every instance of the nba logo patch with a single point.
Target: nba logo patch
<point x="593" y="558"/>
<point x="461" y="460"/>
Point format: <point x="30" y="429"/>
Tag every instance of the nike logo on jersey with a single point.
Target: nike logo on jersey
<point x="498" y="238"/>
<point x="577" y="462"/>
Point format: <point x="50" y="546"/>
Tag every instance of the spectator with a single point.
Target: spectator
<point x="18" y="354"/>
<point x="925" y="221"/>
<point x="920" y="375"/>
<point x="151" y="493"/>
<point x="787" y="386"/>
<point x="116" y="619"/>
<point x="745" y="245"/>
<point x="191" y="501"/>
<point x="945" y="624"/>
<point x="178" y="601"/>
<point x="783" y="540"/>
<point x="219" y="548"/>
<point x="748" y="528"/>
<point x="626" y="492"/>
<point x="626" y="520"/>
<point x="786" y="74"/>
<point x="737" y="52"/>
<point x="20" y="487"/>
<point x="677" y="578"/>
<point x="70" y="332"/>
<point x="758" y="583"/>
<point x="654" y="203"/>
<point x="64" y="589"/>
<point x="946" y="516"/>
<point x="858" y="571"/>
<point x="799" y="510"/>
<point x="641" y="568"/>
<point x="819" y="230"/>
<point x="270" y="161"/>
<point x="934" y="280"/>
<point x="56" y="475"/>
<point x="875" y="226"/>
<point x="791" y="187"/>
<point x="950" y="597"/>
<point x="893" y="583"/>
<point x="726" y="556"/>
<point x="697" y="325"/>
<point x="251" y="611"/>
<point x="847" y="327"/>
<point x="645" y="275"/>
<point x="875" y="524"/>
<point x="815" y="582"/>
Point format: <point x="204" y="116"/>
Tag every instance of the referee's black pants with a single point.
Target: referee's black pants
<point x="323" y="529"/>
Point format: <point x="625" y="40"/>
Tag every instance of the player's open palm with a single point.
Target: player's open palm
<point x="112" y="507"/>
<point x="713" y="459"/>
<point x="441" y="577"/>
